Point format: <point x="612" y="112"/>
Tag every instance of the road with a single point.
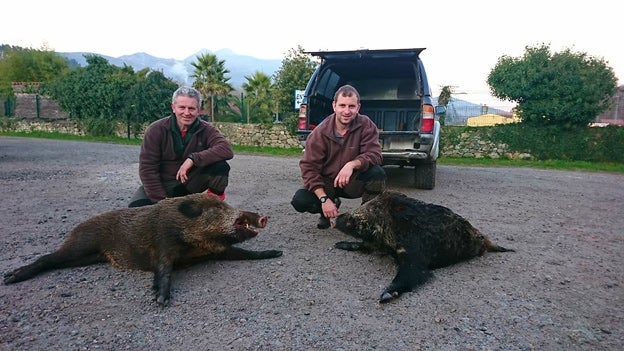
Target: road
<point x="562" y="289"/>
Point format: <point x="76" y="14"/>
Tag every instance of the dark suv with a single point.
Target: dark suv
<point x="394" y="93"/>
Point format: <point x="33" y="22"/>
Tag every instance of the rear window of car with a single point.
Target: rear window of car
<point x="386" y="89"/>
<point x="328" y="84"/>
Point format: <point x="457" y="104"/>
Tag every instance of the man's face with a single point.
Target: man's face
<point x="185" y="110"/>
<point x="346" y="107"/>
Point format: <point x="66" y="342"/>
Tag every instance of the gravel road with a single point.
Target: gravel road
<point x="562" y="290"/>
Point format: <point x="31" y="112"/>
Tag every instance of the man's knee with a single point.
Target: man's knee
<point x="220" y="168"/>
<point x="140" y="203"/>
<point x="305" y="201"/>
<point x="140" y="199"/>
<point x="374" y="173"/>
<point x="214" y="177"/>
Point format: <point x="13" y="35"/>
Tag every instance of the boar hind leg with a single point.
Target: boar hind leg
<point x="162" y="283"/>
<point x="56" y="260"/>
<point x="236" y="253"/>
<point x="410" y="274"/>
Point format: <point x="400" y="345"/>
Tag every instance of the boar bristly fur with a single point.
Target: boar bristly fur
<point x="174" y="232"/>
<point x="420" y="236"/>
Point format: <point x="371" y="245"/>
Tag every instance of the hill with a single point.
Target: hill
<point x="239" y="66"/>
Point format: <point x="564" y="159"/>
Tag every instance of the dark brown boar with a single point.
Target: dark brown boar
<point x="420" y="236"/>
<point x="174" y="232"/>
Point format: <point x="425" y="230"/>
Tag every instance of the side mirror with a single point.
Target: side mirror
<point x="440" y="110"/>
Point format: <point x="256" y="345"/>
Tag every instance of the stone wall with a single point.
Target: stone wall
<point x="471" y="143"/>
<point x="237" y="133"/>
<point x="274" y="135"/>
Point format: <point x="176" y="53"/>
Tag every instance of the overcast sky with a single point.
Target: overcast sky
<point x="464" y="39"/>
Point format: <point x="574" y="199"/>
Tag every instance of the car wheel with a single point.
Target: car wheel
<point x="424" y="175"/>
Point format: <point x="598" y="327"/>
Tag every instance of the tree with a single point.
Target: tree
<point x="29" y="65"/>
<point x="210" y="80"/>
<point x="258" y="98"/>
<point x="150" y="100"/>
<point x="102" y="95"/>
<point x="295" y="72"/>
<point x="444" y="99"/>
<point x="445" y="95"/>
<point x="565" y="89"/>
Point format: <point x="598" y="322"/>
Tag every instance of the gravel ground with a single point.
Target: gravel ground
<point x="562" y="290"/>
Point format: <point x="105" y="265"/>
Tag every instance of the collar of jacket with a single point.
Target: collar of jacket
<point x="180" y="144"/>
<point x="328" y="125"/>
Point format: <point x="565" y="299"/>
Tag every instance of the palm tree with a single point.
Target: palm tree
<point x="258" y="90"/>
<point x="210" y="79"/>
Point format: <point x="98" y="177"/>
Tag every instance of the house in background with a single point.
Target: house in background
<point x="615" y="115"/>
<point x="490" y="119"/>
<point x="458" y="111"/>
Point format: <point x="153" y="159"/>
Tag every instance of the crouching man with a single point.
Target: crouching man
<point x="181" y="154"/>
<point x="342" y="158"/>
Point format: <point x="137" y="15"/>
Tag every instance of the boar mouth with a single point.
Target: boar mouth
<point x="244" y="229"/>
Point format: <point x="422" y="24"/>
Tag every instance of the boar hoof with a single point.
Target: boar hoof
<point x="162" y="301"/>
<point x="388" y="296"/>
<point x="271" y="253"/>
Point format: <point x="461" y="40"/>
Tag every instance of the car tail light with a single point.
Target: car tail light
<point x="302" y="117"/>
<point x="428" y="119"/>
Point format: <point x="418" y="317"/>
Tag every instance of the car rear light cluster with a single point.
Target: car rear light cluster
<point x="428" y="119"/>
<point x="301" y="125"/>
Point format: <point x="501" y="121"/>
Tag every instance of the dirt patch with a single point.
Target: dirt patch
<point x="562" y="290"/>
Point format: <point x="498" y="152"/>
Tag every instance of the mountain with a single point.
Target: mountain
<point x="239" y="66"/>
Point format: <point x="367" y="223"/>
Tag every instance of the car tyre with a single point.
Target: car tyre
<point x="424" y="175"/>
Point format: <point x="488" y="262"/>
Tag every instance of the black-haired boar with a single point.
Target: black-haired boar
<point x="420" y="236"/>
<point x="173" y="232"/>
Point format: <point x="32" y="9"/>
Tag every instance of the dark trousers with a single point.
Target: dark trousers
<point x="214" y="177"/>
<point x="362" y="184"/>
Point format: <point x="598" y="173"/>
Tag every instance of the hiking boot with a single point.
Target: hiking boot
<point x="337" y="202"/>
<point x="323" y="223"/>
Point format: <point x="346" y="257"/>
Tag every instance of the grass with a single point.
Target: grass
<point x="543" y="164"/>
<point x="295" y="152"/>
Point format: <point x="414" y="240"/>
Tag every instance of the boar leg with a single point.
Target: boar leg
<point x="59" y="259"/>
<point x="411" y="272"/>
<point x="236" y="253"/>
<point x="162" y="283"/>
<point x="361" y="246"/>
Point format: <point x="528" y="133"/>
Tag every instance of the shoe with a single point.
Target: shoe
<point x="323" y="223"/>
<point x="337" y="202"/>
<point x="221" y="197"/>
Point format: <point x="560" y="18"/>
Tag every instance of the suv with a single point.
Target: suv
<point x="394" y="93"/>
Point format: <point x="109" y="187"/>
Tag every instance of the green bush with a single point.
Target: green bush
<point x="100" y="127"/>
<point x="7" y="124"/>
<point x="557" y="143"/>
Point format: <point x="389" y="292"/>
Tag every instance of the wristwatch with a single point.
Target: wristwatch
<point x="324" y="198"/>
<point x="191" y="156"/>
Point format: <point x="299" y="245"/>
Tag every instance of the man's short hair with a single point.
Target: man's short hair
<point x="347" y="91"/>
<point x="188" y="92"/>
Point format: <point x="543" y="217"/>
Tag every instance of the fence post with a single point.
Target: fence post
<point x="37" y="107"/>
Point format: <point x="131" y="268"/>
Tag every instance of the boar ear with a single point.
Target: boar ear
<point x="190" y="208"/>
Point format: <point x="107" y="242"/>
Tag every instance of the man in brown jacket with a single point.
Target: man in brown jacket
<point x="342" y="158"/>
<point x="182" y="154"/>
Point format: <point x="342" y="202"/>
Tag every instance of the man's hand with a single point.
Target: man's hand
<point x="343" y="177"/>
<point x="329" y="209"/>
<point x="182" y="174"/>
